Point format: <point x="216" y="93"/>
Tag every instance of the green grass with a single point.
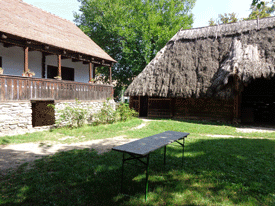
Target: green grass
<point x="216" y="171"/>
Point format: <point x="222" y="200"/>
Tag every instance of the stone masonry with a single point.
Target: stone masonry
<point x="16" y="118"/>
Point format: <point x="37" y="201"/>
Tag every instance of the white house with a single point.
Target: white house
<point x="44" y="59"/>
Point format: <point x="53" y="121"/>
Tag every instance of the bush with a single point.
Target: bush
<point x="107" y="114"/>
<point x="125" y="113"/>
<point x="73" y="116"/>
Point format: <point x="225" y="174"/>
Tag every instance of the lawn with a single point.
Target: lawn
<point x="216" y="171"/>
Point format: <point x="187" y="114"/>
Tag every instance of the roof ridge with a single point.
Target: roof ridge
<point x="22" y="1"/>
<point x="231" y="23"/>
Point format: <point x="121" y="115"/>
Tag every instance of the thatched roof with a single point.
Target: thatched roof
<point x="23" y="20"/>
<point x="199" y="62"/>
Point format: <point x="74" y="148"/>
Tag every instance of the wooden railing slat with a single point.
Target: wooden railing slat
<point x="13" y="88"/>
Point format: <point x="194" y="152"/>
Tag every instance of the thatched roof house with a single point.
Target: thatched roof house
<point x="22" y="21"/>
<point x="214" y="62"/>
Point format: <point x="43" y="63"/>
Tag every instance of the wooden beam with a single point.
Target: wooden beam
<point x="7" y="45"/>
<point x="43" y="65"/>
<point x="26" y="59"/>
<point x="84" y="62"/>
<point x="93" y="71"/>
<point x="91" y="68"/>
<point x="110" y="75"/>
<point x="59" y="65"/>
<point x="76" y="60"/>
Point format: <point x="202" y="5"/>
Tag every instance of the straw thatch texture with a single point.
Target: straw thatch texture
<point x="26" y="21"/>
<point x="199" y="62"/>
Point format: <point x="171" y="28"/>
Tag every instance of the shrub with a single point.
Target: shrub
<point x="75" y="116"/>
<point x="125" y="112"/>
<point x="106" y="115"/>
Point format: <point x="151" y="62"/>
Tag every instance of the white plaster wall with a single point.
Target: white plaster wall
<point x="13" y="63"/>
<point x="12" y="60"/>
<point x="81" y="71"/>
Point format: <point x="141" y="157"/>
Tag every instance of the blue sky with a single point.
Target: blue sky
<point x="203" y="10"/>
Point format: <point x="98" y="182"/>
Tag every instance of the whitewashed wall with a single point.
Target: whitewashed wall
<point x="13" y="63"/>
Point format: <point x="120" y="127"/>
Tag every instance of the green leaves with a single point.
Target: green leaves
<point x="133" y="31"/>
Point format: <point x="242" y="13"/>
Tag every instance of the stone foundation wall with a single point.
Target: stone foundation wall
<point x="16" y="118"/>
<point x="92" y="106"/>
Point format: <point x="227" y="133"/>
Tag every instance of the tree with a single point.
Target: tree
<point x="132" y="31"/>
<point x="224" y="19"/>
<point x="212" y="22"/>
<point x="260" y="10"/>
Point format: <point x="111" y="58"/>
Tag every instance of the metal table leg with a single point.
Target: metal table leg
<point x="164" y="155"/>
<point x="146" y="183"/>
<point x="122" y="171"/>
<point x="183" y="151"/>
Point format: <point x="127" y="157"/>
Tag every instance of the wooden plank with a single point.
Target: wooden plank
<point x="2" y="89"/>
<point x="15" y="81"/>
<point x="9" y="89"/>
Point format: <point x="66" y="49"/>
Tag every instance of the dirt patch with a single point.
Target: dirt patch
<point x="255" y="129"/>
<point x="12" y="156"/>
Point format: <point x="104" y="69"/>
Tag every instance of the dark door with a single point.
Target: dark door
<point x="143" y="106"/>
<point x="42" y="114"/>
<point x="258" y="101"/>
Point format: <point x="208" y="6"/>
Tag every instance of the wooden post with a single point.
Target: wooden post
<point x="91" y="68"/>
<point x="43" y="65"/>
<point x="59" y="66"/>
<point x="26" y="60"/>
<point x="110" y="75"/>
<point x="93" y="71"/>
<point x="236" y="100"/>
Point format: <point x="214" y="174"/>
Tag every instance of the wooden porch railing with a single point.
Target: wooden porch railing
<point x="14" y="88"/>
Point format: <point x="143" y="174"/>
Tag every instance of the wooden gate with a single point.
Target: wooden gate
<point x="42" y="114"/>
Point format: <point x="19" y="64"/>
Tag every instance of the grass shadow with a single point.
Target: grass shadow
<point x="216" y="171"/>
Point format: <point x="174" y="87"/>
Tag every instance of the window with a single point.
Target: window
<point x="0" y="61"/>
<point x="66" y="73"/>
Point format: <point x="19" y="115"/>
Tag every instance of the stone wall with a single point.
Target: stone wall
<point x="16" y="118"/>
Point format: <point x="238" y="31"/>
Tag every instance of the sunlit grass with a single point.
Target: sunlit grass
<point x="216" y="170"/>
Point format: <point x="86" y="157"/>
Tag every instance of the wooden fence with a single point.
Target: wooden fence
<point x="14" y="88"/>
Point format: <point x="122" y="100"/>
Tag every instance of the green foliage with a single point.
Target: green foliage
<point x="106" y="115"/>
<point x="125" y="112"/>
<point x="224" y="19"/>
<point x="262" y="11"/>
<point x="73" y="116"/>
<point x="258" y="8"/>
<point x="212" y="22"/>
<point x="132" y="31"/>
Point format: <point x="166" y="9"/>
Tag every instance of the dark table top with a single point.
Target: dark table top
<point x="148" y="144"/>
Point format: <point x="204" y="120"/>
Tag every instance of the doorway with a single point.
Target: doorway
<point x="42" y="114"/>
<point x="258" y="102"/>
<point x="143" y="106"/>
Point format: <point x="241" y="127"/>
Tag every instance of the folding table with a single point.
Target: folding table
<point x="141" y="149"/>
